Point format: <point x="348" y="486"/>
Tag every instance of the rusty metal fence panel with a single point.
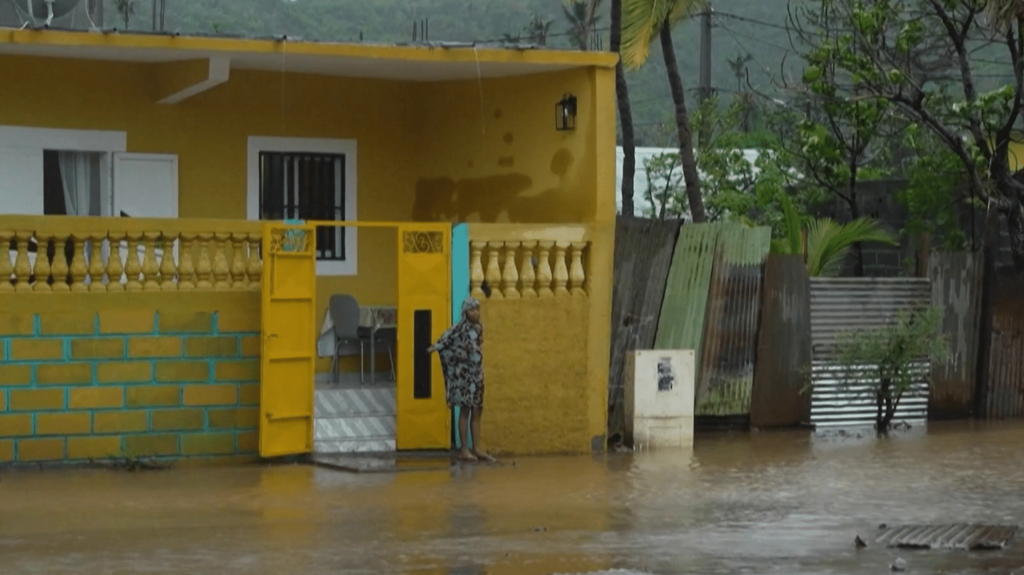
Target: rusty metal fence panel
<point x="725" y="374"/>
<point x="1005" y="395"/>
<point x="956" y="288"/>
<point x="839" y="304"/>
<point x="643" y="255"/>
<point x="778" y="397"/>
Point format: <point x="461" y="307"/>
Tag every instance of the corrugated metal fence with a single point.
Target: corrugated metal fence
<point x="1004" y="397"/>
<point x="956" y="288"/>
<point x="712" y="305"/>
<point x="839" y="304"/>
<point x="781" y="375"/>
<point x="643" y="254"/>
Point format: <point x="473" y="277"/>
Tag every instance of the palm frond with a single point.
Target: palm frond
<point x="641" y="20"/>
<point x="828" y="242"/>
<point x="1004" y="13"/>
<point x="793" y="226"/>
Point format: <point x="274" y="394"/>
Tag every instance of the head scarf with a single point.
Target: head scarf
<point x="456" y="334"/>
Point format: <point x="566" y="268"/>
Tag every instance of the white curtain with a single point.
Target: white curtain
<point x="81" y="196"/>
<point x="76" y="174"/>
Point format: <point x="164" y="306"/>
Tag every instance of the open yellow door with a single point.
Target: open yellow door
<point x="288" y="359"/>
<point x="424" y="311"/>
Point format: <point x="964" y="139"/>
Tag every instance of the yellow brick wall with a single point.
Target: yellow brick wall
<point x="536" y="385"/>
<point x="95" y="376"/>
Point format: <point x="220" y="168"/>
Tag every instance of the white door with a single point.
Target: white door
<point x="21" y="180"/>
<point x="145" y="186"/>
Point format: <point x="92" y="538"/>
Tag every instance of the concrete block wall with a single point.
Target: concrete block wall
<point x="161" y="377"/>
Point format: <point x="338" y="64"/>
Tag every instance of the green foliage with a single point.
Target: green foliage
<point x="641" y="21"/>
<point x="828" y="242"/>
<point x="881" y="361"/>
<point x="935" y="178"/>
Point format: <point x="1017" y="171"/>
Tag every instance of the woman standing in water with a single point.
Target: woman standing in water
<point x="462" y="362"/>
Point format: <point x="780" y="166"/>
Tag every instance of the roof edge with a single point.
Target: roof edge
<point x="430" y="52"/>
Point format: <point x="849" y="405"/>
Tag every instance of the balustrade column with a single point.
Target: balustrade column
<point x="150" y="267"/>
<point x="561" y="271"/>
<point x="96" y="267"/>
<point x="186" y="271"/>
<point x="114" y="267"/>
<point x="527" y="276"/>
<point x="255" y="265"/>
<point x="544" y="270"/>
<point x="168" y="268"/>
<point x="22" y="265"/>
<point x="576" y="273"/>
<point x="494" y="270"/>
<point x="6" y="268"/>
<point x="204" y="271"/>
<point x="78" y="269"/>
<point x="510" y="276"/>
<point x="238" y="261"/>
<point x="42" y="268"/>
<point x="132" y="267"/>
<point x="476" y="270"/>
<point x="60" y="269"/>
<point x="221" y="269"/>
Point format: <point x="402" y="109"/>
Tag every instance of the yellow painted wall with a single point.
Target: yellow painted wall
<point x="489" y="151"/>
<point x="536" y="383"/>
<point x="209" y="134"/>
<point x="492" y="143"/>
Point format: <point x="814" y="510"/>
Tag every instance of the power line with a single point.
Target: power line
<point x="751" y="20"/>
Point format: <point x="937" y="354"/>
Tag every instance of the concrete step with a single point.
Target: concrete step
<point x="356" y="427"/>
<point x="369" y="401"/>
<point x="354" y="446"/>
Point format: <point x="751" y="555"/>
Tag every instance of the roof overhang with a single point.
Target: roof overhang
<point x="414" y="63"/>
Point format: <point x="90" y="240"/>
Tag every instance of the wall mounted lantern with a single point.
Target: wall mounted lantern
<point x="565" y="113"/>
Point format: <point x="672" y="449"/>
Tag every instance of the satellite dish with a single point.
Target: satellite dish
<point x="45" y="10"/>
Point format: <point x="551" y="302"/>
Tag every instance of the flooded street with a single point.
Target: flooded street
<point x="779" y="503"/>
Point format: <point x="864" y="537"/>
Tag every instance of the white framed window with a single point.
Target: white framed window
<point x="307" y="179"/>
<point x="47" y="171"/>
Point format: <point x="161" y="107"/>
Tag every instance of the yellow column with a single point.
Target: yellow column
<point x="255" y="265"/>
<point x="204" y="271"/>
<point x="476" y="270"/>
<point x="6" y="269"/>
<point x="238" y="280"/>
<point x="96" y="267"/>
<point x="78" y="269"/>
<point x="132" y="267"/>
<point x="60" y="264"/>
<point x="114" y="267"/>
<point x="221" y="270"/>
<point x="150" y="269"/>
<point x="186" y="271"/>
<point x="42" y="269"/>
<point x="168" y="268"/>
<point x="510" y="276"/>
<point x="561" y="272"/>
<point x="526" y="274"/>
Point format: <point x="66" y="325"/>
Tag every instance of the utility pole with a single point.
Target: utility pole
<point x="704" y="89"/>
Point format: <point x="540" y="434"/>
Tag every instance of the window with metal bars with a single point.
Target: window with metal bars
<point x="303" y="186"/>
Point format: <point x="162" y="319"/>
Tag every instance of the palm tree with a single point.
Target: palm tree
<point x="625" y="113"/>
<point x="828" y="242"/>
<point x="126" y="9"/>
<point x="582" y="17"/>
<point x="641" y="21"/>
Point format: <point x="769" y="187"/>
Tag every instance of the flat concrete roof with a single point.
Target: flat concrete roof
<point x="419" y="63"/>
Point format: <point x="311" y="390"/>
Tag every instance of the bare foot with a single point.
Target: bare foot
<point x="484" y="456"/>
<point x="466" y="455"/>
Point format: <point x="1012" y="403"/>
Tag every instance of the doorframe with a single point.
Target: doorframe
<point x="398" y="228"/>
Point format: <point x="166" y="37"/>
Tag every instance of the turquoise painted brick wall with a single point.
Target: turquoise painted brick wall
<point x="128" y="384"/>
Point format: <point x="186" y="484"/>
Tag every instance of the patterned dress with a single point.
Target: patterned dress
<point x="462" y="360"/>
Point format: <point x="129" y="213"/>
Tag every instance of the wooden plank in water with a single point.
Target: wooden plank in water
<point x="969" y="536"/>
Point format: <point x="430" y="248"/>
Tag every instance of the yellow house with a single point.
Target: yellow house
<point x="175" y="185"/>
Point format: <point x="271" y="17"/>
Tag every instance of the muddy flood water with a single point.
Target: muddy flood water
<point x="772" y="503"/>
